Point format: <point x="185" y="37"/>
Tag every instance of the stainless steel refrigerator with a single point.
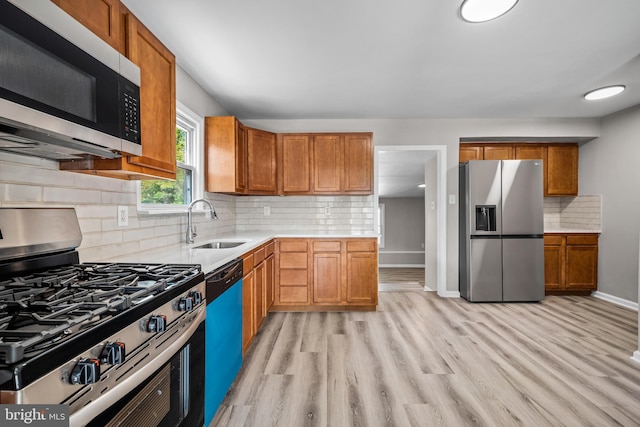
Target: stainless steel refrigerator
<point x="501" y="231"/>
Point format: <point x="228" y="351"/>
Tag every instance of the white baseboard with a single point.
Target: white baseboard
<point x="401" y="265"/>
<point x="449" y="294"/>
<point x="636" y="356"/>
<point x="616" y="300"/>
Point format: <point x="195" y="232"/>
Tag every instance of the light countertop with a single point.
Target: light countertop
<point x="210" y="259"/>
<point x="571" y="231"/>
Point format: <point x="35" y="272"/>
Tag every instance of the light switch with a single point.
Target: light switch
<point x="452" y="199"/>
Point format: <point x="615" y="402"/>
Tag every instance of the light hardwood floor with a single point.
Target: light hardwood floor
<point x="400" y="279"/>
<point x="422" y="360"/>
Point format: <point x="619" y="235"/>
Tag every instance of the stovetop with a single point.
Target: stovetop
<point x="43" y="310"/>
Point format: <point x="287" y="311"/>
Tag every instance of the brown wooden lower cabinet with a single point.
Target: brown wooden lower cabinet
<point x="257" y="290"/>
<point x="326" y="274"/>
<point x="570" y="263"/>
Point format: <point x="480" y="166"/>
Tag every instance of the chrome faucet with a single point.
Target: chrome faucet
<point x="191" y="229"/>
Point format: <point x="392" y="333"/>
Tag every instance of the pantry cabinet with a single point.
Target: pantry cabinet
<point x="560" y="161"/>
<point x="570" y="263"/>
<point x="326" y="274"/>
<point x="157" y="93"/>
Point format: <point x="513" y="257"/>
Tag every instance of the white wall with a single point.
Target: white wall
<point x="431" y="223"/>
<point x="404" y="231"/>
<point x="440" y="132"/>
<point x="609" y="166"/>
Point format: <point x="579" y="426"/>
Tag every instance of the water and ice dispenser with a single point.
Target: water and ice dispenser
<point x="485" y="217"/>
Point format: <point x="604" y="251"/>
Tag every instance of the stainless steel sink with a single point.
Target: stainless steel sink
<point x="220" y="244"/>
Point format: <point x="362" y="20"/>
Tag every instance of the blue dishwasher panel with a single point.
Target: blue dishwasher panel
<point x="223" y="347"/>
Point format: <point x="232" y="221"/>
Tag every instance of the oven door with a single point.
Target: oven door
<point x="172" y="396"/>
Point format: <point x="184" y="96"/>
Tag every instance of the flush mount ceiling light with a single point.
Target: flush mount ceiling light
<point x="485" y="10"/>
<point x="604" y="92"/>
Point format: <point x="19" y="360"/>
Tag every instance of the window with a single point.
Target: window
<point x="165" y="194"/>
<point x="380" y="225"/>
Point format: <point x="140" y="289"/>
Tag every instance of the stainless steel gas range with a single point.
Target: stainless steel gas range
<point x="121" y="344"/>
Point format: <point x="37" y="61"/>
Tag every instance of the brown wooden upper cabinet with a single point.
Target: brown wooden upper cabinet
<point x="102" y="17"/>
<point x="560" y="161"/>
<point x="562" y="170"/>
<point x="261" y="162"/>
<point x="342" y="163"/>
<point x="115" y="24"/>
<point x="225" y="158"/>
<point x="294" y="163"/>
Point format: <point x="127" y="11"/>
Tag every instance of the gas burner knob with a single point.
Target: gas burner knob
<point x="185" y="304"/>
<point x="86" y="371"/>
<point x="197" y="296"/>
<point x="157" y="323"/>
<point x="113" y="353"/>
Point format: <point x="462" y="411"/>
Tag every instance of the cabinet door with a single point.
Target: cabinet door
<point x="327" y="163"/>
<point x="582" y="262"/>
<point x="469" y="152"/>
<point x="259" y="297"/>
<point x="327" y="283"/>
<point x="295" y="155"/>
<point x="554" y="262"/>
<point x="102" y="17"/>
<point x="269" y="282"/>
<point x="498" y="152"/>
<point x="358" y="164"/>
<point x="247" y="310"/>
<point x="157" y="97"/>
<point x="225" y="155"/>
<point x="562" y="170"/>
<point x="240" y="158"/>
<point x="530" y="152"/>
<point x="362" y="278"/>
<point x="261" y="162"/>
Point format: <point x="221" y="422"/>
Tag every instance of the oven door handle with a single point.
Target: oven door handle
<point x="87" y="413"/>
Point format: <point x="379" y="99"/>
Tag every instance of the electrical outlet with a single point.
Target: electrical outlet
<point x="267" y="210"/>
<point x="123" y="216"/>
<point x="327" y="210"/>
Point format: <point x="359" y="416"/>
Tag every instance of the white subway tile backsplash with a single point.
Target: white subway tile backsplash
<point x="582" y="212"/>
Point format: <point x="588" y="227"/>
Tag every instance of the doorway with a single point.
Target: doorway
<point x="398" y="171"/>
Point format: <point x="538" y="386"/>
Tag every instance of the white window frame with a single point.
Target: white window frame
<point x="194" y="124"/>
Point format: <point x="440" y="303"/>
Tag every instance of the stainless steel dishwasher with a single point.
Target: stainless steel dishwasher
<point x="223" y="331"/>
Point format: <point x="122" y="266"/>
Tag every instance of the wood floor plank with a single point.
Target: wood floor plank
<point x="421" y="360"/>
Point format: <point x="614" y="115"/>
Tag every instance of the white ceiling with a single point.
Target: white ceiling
<point x="289" y="59"/>
<point x="400" y="172"/>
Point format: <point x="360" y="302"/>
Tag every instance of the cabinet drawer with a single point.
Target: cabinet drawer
<point x="294" y="278"/>
<point x="247" y="263"/>
<point x="361" y="245"/>
<point x="293" y="246"/>
<point x="293" y="294"/>
<point x="293" y="260"/>
<point x="582" y="239"/>
<point x="258" y="256"/>
<point x="268" y="248"/>
<point x="325" y="246"/>
<point x="553" y="240"/>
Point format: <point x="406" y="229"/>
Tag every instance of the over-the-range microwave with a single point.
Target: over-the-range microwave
<point x="64" y="92"/>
